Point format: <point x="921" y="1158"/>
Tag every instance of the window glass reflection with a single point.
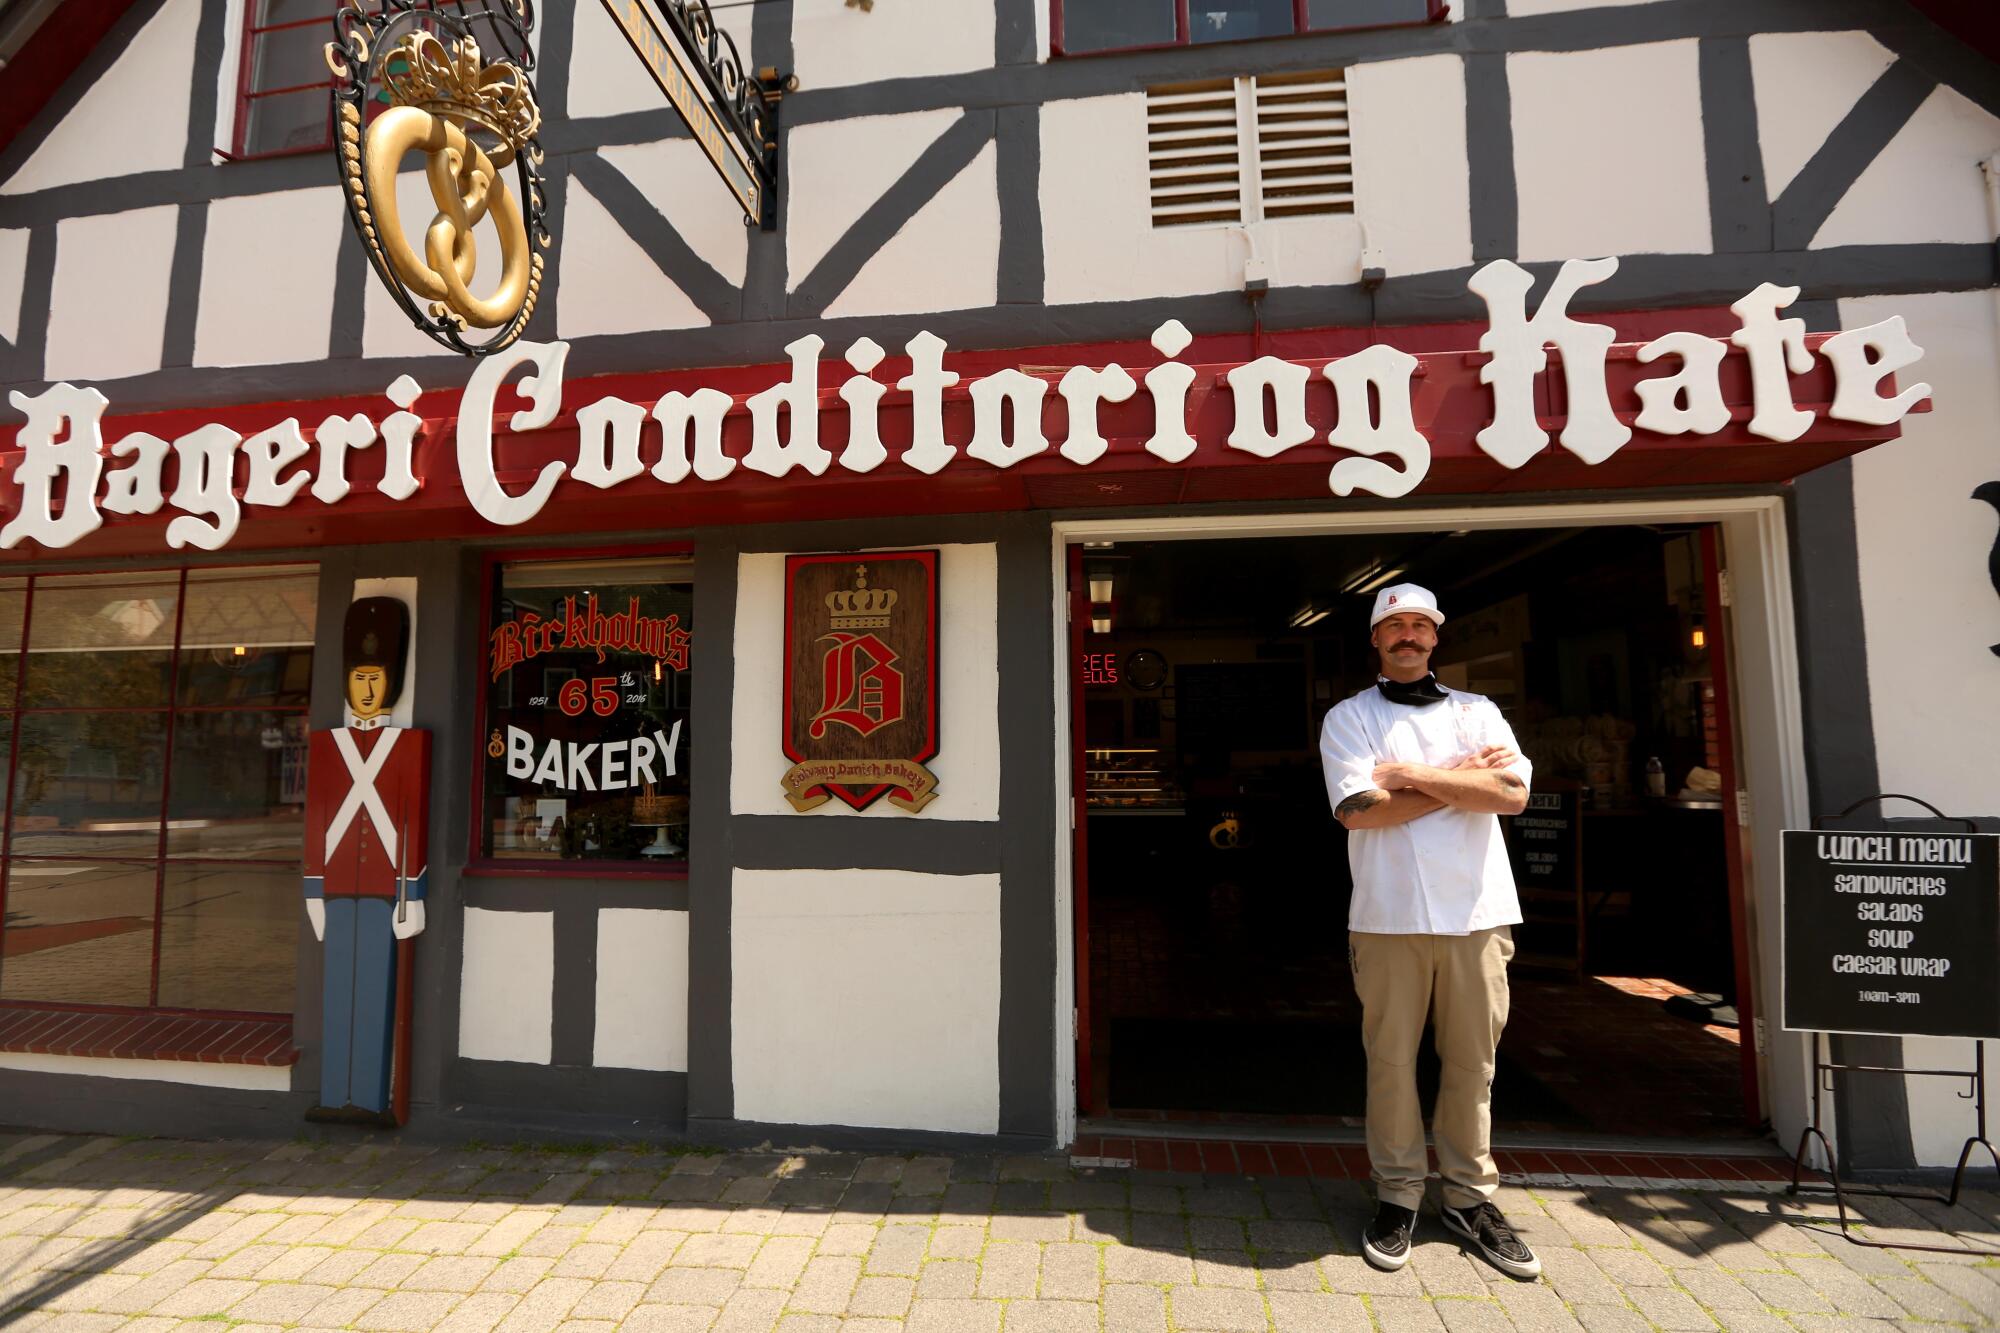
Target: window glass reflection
<point x="1364" y="13"/>
<point x="246" y="636"/>
<point x="229" y="937"/>
<point x="239" y="786"/>
<point x="101" y="641"/>
<point x="79" y="932"/>
<point x="1106" y="25"/>
<point x="1237" y="20"/>
<point x="89" y="784"/>
<point x="13" y="607"/>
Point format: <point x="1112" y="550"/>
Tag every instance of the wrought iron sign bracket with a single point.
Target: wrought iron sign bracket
<point x="732" y="113"/>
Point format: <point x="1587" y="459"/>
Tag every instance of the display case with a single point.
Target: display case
<point x="1132" y="781"/>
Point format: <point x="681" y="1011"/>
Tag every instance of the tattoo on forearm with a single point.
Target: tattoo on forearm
<point x="1361" y="800"/>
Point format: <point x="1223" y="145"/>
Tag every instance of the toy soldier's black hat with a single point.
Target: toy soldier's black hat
<point x="377" y="634"/>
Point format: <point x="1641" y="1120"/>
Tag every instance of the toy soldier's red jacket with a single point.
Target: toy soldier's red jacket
<point x="367" y="812"/>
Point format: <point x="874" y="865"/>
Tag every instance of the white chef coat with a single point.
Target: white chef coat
<point x="1445" y="873"/>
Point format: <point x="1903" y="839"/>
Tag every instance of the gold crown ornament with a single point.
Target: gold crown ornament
<point x="454" y="82"/>
<point x="861" y="607"/>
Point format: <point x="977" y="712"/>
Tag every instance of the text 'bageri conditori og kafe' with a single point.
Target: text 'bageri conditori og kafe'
<point x="68" y="480"/>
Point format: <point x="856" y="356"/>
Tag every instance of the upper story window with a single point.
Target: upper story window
<point x="282" y="98"/>
<point x="1084" y="26"/>
<point x="153" y="724"/>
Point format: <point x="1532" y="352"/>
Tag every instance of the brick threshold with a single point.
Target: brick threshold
<point x="91" y="1034"/>
<point x="1691" y="1165"/>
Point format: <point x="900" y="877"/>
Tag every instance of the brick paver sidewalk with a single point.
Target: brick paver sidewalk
<point x="99" y="1234"/>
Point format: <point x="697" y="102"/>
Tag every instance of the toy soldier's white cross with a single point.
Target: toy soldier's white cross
<point x="363" y="772"/>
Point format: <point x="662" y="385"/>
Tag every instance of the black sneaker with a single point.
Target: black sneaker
<point x="1386" y="1240"/>
<point x="1489" y="1233"/>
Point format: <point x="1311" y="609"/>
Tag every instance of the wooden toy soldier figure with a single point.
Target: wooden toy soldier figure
<point x="367" y="817"/>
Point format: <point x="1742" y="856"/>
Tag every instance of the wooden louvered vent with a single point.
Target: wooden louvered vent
<point x="1193" y="154"/>
<point x="1242" y="150"/>
<point x="1303" y="155"/>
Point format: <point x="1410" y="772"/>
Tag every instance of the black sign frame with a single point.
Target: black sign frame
<point x="732" y="113"/>
<point x="1950" y="909"/>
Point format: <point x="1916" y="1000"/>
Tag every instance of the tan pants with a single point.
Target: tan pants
<point x="1460" y="983"/>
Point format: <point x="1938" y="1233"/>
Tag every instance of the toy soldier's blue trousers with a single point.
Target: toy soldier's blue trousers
<point x="359" y="1013"/>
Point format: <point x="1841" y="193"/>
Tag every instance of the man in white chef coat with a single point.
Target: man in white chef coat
<point x="1418" y="774"/>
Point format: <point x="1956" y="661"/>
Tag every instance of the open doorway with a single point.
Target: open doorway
<point x="1212" y="878"/>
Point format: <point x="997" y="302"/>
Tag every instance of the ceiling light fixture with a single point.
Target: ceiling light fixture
<point x="1100" y="588"/>
<point x="1100" y="624"/>
<point x="1315" y="618"/>
<point x="1387" y="576"/>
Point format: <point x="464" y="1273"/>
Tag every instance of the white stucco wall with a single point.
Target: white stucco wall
<point x="1805" y="83"/>
<point x="108" y="308"/>
<point x="866" y="997"/>
<point x="1410" y="176"/>
<point x="1587" y="185"/>
<point x="946" y="257"/>
<point x="506" y="986"/>
<point x="968" y="767"/>
<point x="608" y="283"/>
<point x="642" y="973"/>
<point x="1935" y="158"/>
<point x="1930" y="613"/>
<point x="607" y="78"/>
<point x="835" y="44"/>
<point x="266" y="255"/>
<point x="13" y="274"/>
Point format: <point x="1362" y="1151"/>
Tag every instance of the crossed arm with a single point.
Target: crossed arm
<point x="1479" y="783"/>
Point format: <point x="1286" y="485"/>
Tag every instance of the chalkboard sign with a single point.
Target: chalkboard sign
<point x="1892" y="933"/>
<point x="1543" y="840"/>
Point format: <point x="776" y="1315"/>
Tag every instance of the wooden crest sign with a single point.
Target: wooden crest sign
<point x="861" y="656"/>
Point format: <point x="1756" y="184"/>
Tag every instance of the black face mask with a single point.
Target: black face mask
<point x="1415" y="693"/>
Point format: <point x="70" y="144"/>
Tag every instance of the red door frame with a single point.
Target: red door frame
<point x="1735" y="847"/>
<point x="1736" y="851"/>
<point x="1087" y="1093"/>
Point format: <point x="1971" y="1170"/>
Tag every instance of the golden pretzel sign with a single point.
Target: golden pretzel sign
<point x="471" y="120"/>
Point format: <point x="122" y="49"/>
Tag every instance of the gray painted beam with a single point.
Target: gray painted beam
<point x="1873" y="1114"/>
<point x="834" y="841"/>
<point x="1491" y="189"/>
<point x="184" y="285"/>
<point x="210" y="36"/>
<point x="1029" y="1020"/>
<point x="1017" y="134"/>
<point x="1739" y="210"/>
<point x="714" y="295"/>
<point x="711" y="1089"/>
<point x="1804" y="206"/>
<point x="101" y="58"/>
<point x="346" y="335"/>
<point x="935" y="167"/>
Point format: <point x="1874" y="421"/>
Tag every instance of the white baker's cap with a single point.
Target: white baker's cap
<point x="1400" y="597"/>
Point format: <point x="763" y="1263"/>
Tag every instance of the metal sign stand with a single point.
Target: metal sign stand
<point x="1824" y="1069"/>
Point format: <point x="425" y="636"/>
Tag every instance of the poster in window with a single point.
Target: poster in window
<point x="588" y="692"/>
<point x="861" y="670"/>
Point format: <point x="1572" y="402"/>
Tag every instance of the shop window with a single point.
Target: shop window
<point x="283" y="102"/>
<point x="1235" y="151"/>
<point x="586" y="713"/>
<point x="154" y="732"/>
<point x="1086" y="27"/>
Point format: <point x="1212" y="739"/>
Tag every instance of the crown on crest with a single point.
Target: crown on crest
<point x="861" y="607"/>
<point x="455" y="82"/>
